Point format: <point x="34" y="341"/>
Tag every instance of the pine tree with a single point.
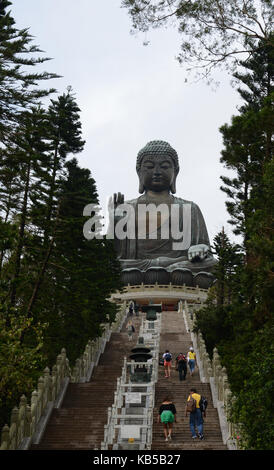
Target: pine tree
<point x="82" y="273"/>
<point x="214" y="320"/>
<point x="63" y="136"/>
<point x="54" y="284"/>
<point x="18" y="86"/>
<point x="28" y="154"/>
<point x="229" y="258"/>
<point x="256" y="77"/>
<point x="241" y="328"/>
<point x="249" y="151"/>
<point x="247" y="140"/>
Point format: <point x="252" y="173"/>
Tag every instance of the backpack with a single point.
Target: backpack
<point x="133" y="329"/>
<point x="203" y="404"/>
<point x="191" y="405"/>
<point x="168" y="357"/>
<point x="181" y="359"/>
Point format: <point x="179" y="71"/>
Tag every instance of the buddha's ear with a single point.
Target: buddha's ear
<point x="173" y="185"/>
<point x="141" y="188"/>
<point x="141" y="184"/>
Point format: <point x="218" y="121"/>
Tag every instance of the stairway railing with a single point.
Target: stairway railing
<point x="125" y="429"/>
<point x="28" y="422"/>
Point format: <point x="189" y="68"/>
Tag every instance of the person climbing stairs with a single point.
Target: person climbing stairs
<point x="176" y="339"/>
<point x="79" y="423"/>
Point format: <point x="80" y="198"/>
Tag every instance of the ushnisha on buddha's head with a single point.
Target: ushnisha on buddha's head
<point x="157" y="167"/>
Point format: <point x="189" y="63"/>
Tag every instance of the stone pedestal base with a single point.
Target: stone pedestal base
<point x="160" y="276"/>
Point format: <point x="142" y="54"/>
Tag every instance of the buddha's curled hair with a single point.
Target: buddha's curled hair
<point x="156" y="147"/>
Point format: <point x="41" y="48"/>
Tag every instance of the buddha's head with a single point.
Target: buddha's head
<point x="157" y="167"/>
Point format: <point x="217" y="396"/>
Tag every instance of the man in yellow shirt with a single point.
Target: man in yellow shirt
<point x="191" y="358"/>
<point x="195" y="417"/>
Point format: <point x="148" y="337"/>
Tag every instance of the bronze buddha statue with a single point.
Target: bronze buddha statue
<point x="166" y="237"/>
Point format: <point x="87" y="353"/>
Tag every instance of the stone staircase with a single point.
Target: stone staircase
<point x="79" y="423"/>
<point x="176" y="339"/>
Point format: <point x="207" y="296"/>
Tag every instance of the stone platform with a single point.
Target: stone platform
<point x="156" y="293"/>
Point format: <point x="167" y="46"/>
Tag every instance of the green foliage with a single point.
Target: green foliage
<point x="54" y="284"/>
<point x="257" y="77"/>
<point x="215" y="319"/>
<point x="238" y="317"/>
<point x="246" y="148"/>
<point x="18" y="86"/>
<point x="229" y="259"/>
<point x="20" y="362"/>
<point x="85" y="272"/>
<point x="213" y="32"/>
<point x="254" y="405"/>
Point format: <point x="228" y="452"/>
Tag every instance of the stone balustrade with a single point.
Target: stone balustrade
<point x="214" y="373"/>
<point x="28" y="422"/>
<point x="157" y="291"/>
<point x="129" y="426"/>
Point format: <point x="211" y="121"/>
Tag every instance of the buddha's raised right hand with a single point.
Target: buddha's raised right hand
<point x="114" y="201"/>
<point x="118" y="199"/>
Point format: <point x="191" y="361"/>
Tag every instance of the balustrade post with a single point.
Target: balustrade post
<point x="63" y="363"/>
<point x="34" y="407"/>
<point x="77" y="369"/>
<point x="28" y="425"/>
<point x="210" y="371"/>
<point x="47" y="385"/>
<point x="14" y="428"/>
<point x="113" y="422"/>
<point x="216" y="360"/>
<point x="220" y="386"/>
<point x="120" y="397"/>
<point x="217" y="379"/>
<point x="227" y="395"/>
<point x="116" y="399"/>
<point x="207" y="365"/>
<point x="54" y="382"/>
<point x="108" y="430"/>
<point x="22" y="418"/>
<point x="5" y="438"/>
<point x="59" y="372"/>
<point x="223" y="376"/>
<point x="40" y="388"/>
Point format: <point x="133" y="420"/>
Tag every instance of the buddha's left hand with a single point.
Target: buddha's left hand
<point x="198" y="252"/>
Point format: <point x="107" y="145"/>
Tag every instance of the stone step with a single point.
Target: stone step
<point x="79" y="423"/>
<point x="179" y="391"/>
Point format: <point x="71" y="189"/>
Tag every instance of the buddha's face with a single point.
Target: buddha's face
<point x="157" y="173"/>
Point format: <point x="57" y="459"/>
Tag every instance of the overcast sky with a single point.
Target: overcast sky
<point x="130" y="94"/>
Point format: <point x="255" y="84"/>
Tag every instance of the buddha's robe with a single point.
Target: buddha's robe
<point x="145" y="253"/>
